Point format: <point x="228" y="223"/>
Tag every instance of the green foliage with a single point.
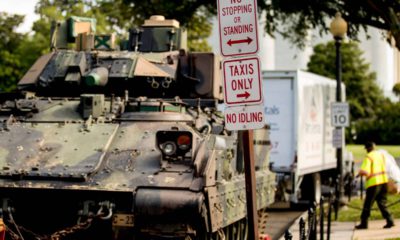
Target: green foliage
<point x="296" y="18"/>
<point x="302" y="15"/>
<point x="353" y="211"/>
<point x="291" y="19"/>
<point x="384" y="128"/>
<point x="118" y="16"/>
<point x="11" y="55"/>
<point x="60" y="10"/>
<point x="200" y="30"/>
<point x="362" y="93"/>
<point x="372" y="115"/>
<point x="396" y="89"/>
<point x="194" y="15"/>
<point x="19" y="51"/>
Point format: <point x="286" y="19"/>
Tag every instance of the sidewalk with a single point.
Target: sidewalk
<point x="346" y="231"/>
<point x="376" y="232"/>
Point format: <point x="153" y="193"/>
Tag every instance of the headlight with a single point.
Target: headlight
<point x="168" y="148"/>
<point x="175" y="145"/>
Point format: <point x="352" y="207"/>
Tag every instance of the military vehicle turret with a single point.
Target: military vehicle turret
<point x="106" y="143"/>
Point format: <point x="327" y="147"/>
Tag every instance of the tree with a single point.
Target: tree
<point x="297" y="16"/>
<point x="195" y="15"/>
<point x="19" y="51"/>
<point x="119" y="16"/>
<point x="302" y="15"/>
<point x="396" y="89"/>
<point x="33" y="46"/>
<point x="60" y="10"/>
<point x="11" y="67"/>
<point x="362" y="92"/>
<point x="384" y="128"/>
<point x="372" y="115"/>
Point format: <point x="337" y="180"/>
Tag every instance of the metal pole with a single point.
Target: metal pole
<point x="351" y="181"/>
<point x="288" y="235"/>
<point x="249" y="168"/>
<point x="313" y="223"/>
<point x="361" y="188"/>
<point x="339" y="190"/>
<point x="328" y="231"/>
<point x="321" y="218"/>
<point x="302" y="232"/>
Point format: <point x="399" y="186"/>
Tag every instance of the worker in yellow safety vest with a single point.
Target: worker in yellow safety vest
<point x="373" y="168"/>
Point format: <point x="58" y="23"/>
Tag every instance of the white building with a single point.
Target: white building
<point x="279" y="54"/>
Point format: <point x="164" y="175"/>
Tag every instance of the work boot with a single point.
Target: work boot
<point x="362" y="225"/>
<point x="389" y="225"/>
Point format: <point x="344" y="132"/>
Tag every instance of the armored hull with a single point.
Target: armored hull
<point x="125" y="144"/>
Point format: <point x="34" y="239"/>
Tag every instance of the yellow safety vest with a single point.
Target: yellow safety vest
<point x="374" y="167"/>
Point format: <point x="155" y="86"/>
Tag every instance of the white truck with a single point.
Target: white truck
<point x="297" y="109"/>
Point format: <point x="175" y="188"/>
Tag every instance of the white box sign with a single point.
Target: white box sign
<point x="242" y="81"/>
<point x="340" y="114"/>
<point x="337" y="138"/>
<point x="244" y="117"/>
<point x="238" y="27"/>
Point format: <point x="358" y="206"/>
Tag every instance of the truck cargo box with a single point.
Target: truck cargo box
<point x="297" y="108"/>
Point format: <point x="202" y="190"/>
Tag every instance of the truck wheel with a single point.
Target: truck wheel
<point x="311" y="188"/>
<point x="317" y="188"/>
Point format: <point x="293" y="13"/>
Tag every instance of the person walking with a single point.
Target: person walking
<point x="373" y="168"/>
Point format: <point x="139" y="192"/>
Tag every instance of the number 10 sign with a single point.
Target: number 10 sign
<point x="340" y="114"/>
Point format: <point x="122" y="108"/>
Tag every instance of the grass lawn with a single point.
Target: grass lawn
<point x="359" y="151"/>
<point x="353" y="211"/>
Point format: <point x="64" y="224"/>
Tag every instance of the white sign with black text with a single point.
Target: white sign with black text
<point x="340" y="114"/>
<point x="237" y="27"/>
<point x="337" y="138"/>
<point x="244" y="117"/>
<point x="242" y="81"/>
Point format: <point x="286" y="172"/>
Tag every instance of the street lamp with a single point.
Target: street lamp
<point x="338" y="29"/>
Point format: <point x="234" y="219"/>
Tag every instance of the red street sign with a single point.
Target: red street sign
<point x="242" y="81"/>
<point x="244" y="117"/>
<point x="237" y="27"/>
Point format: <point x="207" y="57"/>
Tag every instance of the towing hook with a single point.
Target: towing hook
<point x="155" y="84"/>
<point x="106" y="210"/>
<point x="166" y="82"/>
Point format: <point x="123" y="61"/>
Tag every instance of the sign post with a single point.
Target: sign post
<point x="242" y="86"/>
<point x="249" y="166"/>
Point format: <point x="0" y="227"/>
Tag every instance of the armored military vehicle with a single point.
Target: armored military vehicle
<point x="106" y="143"/>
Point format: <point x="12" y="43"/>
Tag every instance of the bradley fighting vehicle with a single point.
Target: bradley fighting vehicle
<point x="125" y="144"/>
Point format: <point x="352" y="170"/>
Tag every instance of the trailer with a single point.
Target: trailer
<point x="297" y="109"/>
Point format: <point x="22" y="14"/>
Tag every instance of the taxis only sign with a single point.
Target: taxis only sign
<point x="242" y="81"/>
<point x="238" y="27"/>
